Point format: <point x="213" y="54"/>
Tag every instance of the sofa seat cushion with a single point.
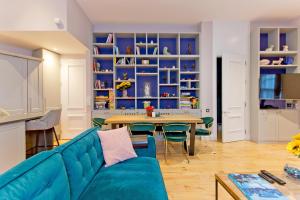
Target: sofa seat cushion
<point x="136" y="178"/>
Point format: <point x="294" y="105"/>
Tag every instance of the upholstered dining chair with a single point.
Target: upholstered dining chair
<point x="45" y="124"/>
<point x="142" y="128"/>
<point x="98" y="122"/>
<point x="176" y="132"/>
<point x="208" y="122"/>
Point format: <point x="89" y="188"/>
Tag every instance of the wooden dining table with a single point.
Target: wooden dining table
<point x="162" y="119"/>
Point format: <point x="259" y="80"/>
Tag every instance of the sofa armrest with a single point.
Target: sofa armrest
<point x="150" y="151"/>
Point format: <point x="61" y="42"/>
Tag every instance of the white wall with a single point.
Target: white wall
<point x="231" y="37"/>
<point x="78" y="24"/>
<point x="142" y="28"/>
<point x="15" y="49"/>
<point x="32" y="15"/>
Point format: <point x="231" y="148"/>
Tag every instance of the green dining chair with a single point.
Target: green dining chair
<point x="98" y="122"/>
<point x="142" y="128"/>
<point x="208" y="122"/>
<point x="176" y="132"/>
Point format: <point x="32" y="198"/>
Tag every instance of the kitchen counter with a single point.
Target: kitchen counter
<point x="20" y="117"/>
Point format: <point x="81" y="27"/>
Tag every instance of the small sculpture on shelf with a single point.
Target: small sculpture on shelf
<point x="166" y="51"/>
<point x="128" y="50"/>
<point x="288" y="60"/>
<point x="125" y="76"/>
<point x="271" y="48"/>
<point x="264" y="62"/>
<point x="277" y="62"/>
<point x="155" y="51"/>
<point x="189" y="49"/>
<point x="116" y="50"/>
<point x="149" y="111"/>
<point x="147" y="89"/>
<point x="285" y="48"/>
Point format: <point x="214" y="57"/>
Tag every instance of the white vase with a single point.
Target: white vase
<point x="147" y="89"/>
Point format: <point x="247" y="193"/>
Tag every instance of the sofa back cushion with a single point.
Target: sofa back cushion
<point x="83" y="158"/>
<point x="43" y="176"/>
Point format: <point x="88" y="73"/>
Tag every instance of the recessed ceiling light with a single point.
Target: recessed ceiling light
<point x="55" y="49"/>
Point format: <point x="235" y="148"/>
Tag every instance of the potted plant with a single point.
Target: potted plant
<point x="294" y="148"/>
<point x="149" y="111"/>
<point x="123" y="86"/>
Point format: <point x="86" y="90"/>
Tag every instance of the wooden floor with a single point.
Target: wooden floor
<point x="196" y="179"/>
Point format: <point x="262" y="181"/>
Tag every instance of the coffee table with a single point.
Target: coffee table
<point x="291" y="189"/>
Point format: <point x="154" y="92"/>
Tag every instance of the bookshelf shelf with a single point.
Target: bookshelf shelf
<point x="164" y="73"/>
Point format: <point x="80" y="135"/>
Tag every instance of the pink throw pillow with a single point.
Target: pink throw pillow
<point x="116" y="145"/>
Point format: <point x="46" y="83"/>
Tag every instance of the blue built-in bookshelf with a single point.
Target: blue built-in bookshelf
<point x="165" y="63"/>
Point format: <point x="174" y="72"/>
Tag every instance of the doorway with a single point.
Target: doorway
<point x="231" y="92"/>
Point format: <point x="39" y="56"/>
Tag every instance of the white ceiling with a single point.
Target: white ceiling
<point x="58" y="41"/>
<point x="188" y="11"/>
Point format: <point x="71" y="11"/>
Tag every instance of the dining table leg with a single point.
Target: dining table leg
<point x="113" y="126"/>
<point x="192" y="139"/>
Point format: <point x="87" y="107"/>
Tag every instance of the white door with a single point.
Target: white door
<point x="233" y="97"/>
<point x="35" y="86"/>
<point x="74" y="119"/>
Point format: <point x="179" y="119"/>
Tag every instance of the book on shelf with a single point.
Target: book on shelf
<point x="96" y="50"/>
<point x="109" y="38"/>
<point x="97" y="84"/>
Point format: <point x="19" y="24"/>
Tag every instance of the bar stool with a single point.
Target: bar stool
<point x="44" y="124"/>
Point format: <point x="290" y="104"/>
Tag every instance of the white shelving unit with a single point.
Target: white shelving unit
<point x="272" y="125"/>
<point x="178" y="44"/>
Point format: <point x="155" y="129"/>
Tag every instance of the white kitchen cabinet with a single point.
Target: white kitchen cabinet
<point x="288" y="124"/>
<point x="278" y="125"/>
<point x="13" y="82"/>
<point x="268" y="126"/>
<point x="35" y="86"/>
<point x="13" y="145"/>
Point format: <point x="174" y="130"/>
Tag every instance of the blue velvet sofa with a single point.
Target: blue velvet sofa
<point x="75" y="170"/>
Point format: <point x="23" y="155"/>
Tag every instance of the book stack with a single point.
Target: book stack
<point x="109" y="38"/>
<point x="185" y="104"/>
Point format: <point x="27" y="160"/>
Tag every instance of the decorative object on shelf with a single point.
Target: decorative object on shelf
<point x="97" y="84"/>
<point x="165" y="94"/>
<point x="285" y="48"/>
<point x="277" y="62"/>
<point x="189" y="49"/>
<point x="149" y="111"/>
<point x="185" y="67"/>
<point x="145" y="61"/>
<point x="102" y="86"/>
<point x="164" y="79"/>
<point x="121" y="61"/>
<point x="147" y="89"/>
<point x="146" y="104"/>
<point x="193" y="67"/>
<point x="124" y="93"/>
<point x="194" y="103"/>
<point x="271" y="48"/>
<point x="109" y="38"/>
<point x="155" y="51"/>
<point x="151" y="42"/>
<point x="125" y="76"/>
<point x="138" y="52"/>
<point x="128" y="50"/>
<point x="98" y="68"/>
<point x="166" y="51"/>
<point x="264" y="62"/>
<point x="173" y="67"/>
<point x="288" y="60"/>
<point x="116" y="50"/>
